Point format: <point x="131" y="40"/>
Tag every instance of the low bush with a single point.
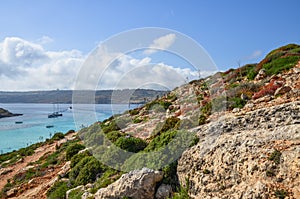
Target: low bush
<point x="85" y="171"/>
<point x="275" y="156"/>
<point x="73" y="150"/>
<point x="58" y="136"/>
<point x="58" y="190"/>
<point x="113" y="136"/>
<point x="78" y="157"/>
<point x="236" y="102"/>
<point x="131" y="144"/>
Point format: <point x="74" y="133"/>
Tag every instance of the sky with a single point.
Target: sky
<point x="44" y="44"/>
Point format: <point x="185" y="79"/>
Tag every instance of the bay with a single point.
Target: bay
<point x="21" y="131"/>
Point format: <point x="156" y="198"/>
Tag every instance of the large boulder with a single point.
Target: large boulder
<point x="135" y="184"/>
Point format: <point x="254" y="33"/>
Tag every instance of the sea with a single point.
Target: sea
<point x="35" y="126"/>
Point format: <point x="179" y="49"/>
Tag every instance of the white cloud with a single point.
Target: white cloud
<point x="128" y="72"/>
<point x="161" y="43"/>
<point x="44" y="40"/>
<point x="27" y="65"/>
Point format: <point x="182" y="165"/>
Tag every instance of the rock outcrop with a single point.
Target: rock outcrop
<point x="6" y="113"/>
<point x="247" y="155"/>
<point x="136" y="184"/>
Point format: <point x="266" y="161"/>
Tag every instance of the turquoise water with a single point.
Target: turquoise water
<point x="35" y="119"/>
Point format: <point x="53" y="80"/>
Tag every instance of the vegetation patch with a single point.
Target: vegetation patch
<point x="275" y="156"/>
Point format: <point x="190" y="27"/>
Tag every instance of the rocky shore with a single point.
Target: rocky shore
<point x="6" y="113"/>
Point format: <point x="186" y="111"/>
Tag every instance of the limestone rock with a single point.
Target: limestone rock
<point x="261" y="74"/>
<point x="65" y="169"/>
<point x="282" y="90"/>
<point x="163" y="192"/>
<point x="135" y="184"/>
<point x="232" y="158"/>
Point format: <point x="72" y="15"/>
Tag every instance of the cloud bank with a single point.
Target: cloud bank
<point x="161" y="43"/>
<point x="27" y="65"/>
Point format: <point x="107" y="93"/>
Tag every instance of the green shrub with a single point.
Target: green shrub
<point x="169" y="124"/>
<point x="89" y="173"/>
<point x="202" y="119"/>
<point x="58" y="136"/>
<point x="275" y="156"/>
<point x="134" y="112"/>
<point x="112" y="126"/>
<point x="137" y="120"/>
<point x="131" y="144"/>
<point x="281" y="194"/>
<point x="76" y="194"/>
<point x="161" y="140"/>
<point x="113" y="136"/>
<point x="73" y="150"/>
<point x="206" y="109"/>
<point x="58" y="190"/>
<point x="170" y="175"/>
<point x="51" y="159"/>
<point x="251" y="74"/>
<point x="183" y="192"/>
<point x="78" y="157"/>
<point x="236" y="102"/>
<point x="281" y="64"/>
<point x="108" y="177"/>
<point x="85" y="171"/>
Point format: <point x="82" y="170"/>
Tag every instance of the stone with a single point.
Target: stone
<point x="163" y="192"/>
<point x="236" y="110"/>
<point x="11" y="192"/>
<point x="135" y="184"/>
<point x="261" y="74"/>
<point x="296" y="70"/>
<point x="65" y="169"/>
<point x="250" y="105"/>
<point x="282" y="90"/>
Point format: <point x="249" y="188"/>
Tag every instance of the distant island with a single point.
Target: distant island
<point x="137" y="96"/>
<point x="6" y="113"/>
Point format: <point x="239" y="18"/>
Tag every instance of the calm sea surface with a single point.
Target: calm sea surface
<point x="32" y="125"/>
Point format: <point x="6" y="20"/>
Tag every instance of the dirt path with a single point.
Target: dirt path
<point x="42" y="182"/>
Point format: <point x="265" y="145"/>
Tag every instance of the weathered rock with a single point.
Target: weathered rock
<point x="135" y="184"/>
<point x="238" y="163"/>
<point x="235" y="110"/>
<point x="282" y="90"/>
<point x="11" y="192"/>
<point x="65" y="169"/>
<point x="163" y="192"/>
<point x="261" y="74"/>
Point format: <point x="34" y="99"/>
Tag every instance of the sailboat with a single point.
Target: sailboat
<point x="56" y="112"/>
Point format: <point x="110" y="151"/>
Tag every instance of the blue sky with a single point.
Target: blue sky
<point x="228" y="30"/>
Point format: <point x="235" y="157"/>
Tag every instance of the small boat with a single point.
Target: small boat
<point x="49" y="126"/>
<point x="18" y="122"/>
<point x="54" y="115"/>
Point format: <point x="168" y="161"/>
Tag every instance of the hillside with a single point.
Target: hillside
<point x="231" y="135"/>
<point x="6" y="113"/>
<point x="65" y="96"/>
